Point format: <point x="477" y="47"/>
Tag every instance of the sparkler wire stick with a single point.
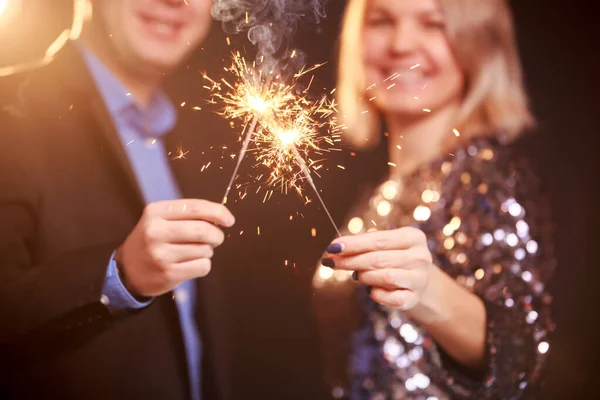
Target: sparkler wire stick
<point x="241" y="156"/>
<point x="310" y="180"/>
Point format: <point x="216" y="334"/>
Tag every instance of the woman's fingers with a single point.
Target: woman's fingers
<point x="397" y="239"/>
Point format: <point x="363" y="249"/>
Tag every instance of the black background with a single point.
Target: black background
<point x="275" y="339"/>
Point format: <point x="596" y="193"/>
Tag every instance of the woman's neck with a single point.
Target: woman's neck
<point x="416" y="141"/>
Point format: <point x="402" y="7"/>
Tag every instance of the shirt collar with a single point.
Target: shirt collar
<point x="156" y="120"/>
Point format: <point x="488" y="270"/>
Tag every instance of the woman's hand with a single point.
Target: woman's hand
<point x="397" y="264"/>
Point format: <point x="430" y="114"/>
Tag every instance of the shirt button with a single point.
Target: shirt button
<point x="104" y="300"/>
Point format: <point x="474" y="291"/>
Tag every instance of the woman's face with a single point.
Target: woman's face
<point x="408" y="56"/>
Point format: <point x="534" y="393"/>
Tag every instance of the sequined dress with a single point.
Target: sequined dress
<point x="488" y="227"/>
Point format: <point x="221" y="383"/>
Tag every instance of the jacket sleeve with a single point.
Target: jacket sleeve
<point x="42" y="305"/>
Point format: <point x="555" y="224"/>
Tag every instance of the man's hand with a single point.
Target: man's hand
<point x="173" y="242"/>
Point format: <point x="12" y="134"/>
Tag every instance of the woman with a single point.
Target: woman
<point x="451" y="253"/>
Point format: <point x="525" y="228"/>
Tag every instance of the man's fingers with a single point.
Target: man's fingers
<point x="181" y="253"/>
<point x="188" y="232"/>
<point x="198" y="268"/>
<point x="192" y="209"/>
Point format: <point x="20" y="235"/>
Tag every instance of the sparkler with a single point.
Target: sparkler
<point x="280" y="120"/>
<point x="241" y="156"/>
<point x="310" y="180"/>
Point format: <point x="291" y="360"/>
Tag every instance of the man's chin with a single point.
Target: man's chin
<point x="154" y="63"/>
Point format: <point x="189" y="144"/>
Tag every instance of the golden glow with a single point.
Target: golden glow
<point x="82" y="11"/>
<point x="455" y="223"/>
<point x="384" y="208"/>
<point x="282" y="127"/>
<point x="255" y="103"/>
<point x="390" y="190"/>
<point x="449" y="243"/>
<point x="422" y="213"/>
<point x="465" y="177"/>
<point x="448" y="230"/>
<point x="355" y="226"/>
<point x="287" y="138"/>
<point x="3" y="6"/>
<point x="427" y="196"/>
<point x="487" y="154"/>
<point x="325" y="272"/>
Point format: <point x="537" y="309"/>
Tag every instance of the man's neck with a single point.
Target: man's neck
<point x="415" y="141"/>
<point x="141" y="86"/>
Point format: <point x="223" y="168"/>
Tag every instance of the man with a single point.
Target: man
<point x="101" y="237"/>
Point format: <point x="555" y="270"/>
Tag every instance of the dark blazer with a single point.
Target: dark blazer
<point x="68" y="198"/>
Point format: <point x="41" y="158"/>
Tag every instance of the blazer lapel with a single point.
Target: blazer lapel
<point x="69" y="67"/>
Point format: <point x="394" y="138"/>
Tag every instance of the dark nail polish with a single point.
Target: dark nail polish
<point x="355" y="275"/>
<point x="334" y="248"/>
<point x="328" y="262"/>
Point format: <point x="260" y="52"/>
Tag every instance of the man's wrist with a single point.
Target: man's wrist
<point x="119" y="266"/>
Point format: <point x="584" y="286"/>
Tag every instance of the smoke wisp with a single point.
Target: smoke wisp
<point x="270" y="25"/>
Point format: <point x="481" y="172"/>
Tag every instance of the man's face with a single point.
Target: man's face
<point x="153" y="35"/>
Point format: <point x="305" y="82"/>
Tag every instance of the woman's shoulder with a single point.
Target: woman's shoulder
<point x="496" y="163"/>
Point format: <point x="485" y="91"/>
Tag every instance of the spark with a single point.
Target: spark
<point x="313" y="232"/>
<point x="228" y="41"/>
<point x="283" y="125"/>
<point x="391" y="164"/>
<point x="258" y="230"/>
<point x="415" y="66"/>
<point x="341" y="167"/>
<point x="427" y="110"/>
<point x="392" y="77"/>
<point x="293" y="54"/>
<point x="456" y="132"/>
<point x="197" y="108"/>
<point x="183" y="104"/>
<point x="180" y="154"/>
<point x="277" y="118"/>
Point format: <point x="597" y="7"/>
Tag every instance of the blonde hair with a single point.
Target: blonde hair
<point x="481" y="35"/>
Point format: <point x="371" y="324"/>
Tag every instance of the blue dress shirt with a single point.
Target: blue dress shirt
<point x="141" y="131"/>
